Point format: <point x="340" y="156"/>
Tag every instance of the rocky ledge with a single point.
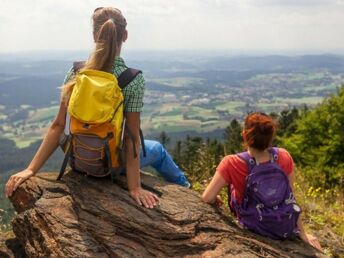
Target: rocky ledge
<point x="86" y="217"/>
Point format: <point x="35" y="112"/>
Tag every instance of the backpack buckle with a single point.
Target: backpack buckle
<point x="258" y="207"/>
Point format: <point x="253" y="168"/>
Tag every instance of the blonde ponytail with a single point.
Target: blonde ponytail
<point x="106" y="49"/>
<point x="109" y="27"/>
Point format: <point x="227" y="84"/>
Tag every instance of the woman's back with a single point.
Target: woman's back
<point x="234" y="170"/>
<point x="260" y="183"/>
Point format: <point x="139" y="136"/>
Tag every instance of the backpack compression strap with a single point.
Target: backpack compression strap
<point x="66" y="157"/>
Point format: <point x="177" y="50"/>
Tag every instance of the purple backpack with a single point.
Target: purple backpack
<point x="269" y="207"/>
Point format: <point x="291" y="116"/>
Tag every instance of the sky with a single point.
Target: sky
<point x="275" y="25"/>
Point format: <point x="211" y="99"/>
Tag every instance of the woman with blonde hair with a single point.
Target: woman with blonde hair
<point x="109" y="32"/>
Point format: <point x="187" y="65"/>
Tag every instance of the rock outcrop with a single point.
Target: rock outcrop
<point x="86" y="217"/>
<point x="10" y="246"/>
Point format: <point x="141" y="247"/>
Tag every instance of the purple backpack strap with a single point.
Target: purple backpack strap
<point x="250" y="161"/>
<point x="274" y="152"/>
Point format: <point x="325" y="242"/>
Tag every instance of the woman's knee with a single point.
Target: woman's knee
<point x="155" y="148"/>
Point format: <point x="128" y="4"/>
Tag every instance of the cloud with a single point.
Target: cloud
<point x="294" y="2"/>
<point x="191" y="24"/>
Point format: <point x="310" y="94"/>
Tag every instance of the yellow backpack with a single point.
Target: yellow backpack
<point x="95" y="143"/>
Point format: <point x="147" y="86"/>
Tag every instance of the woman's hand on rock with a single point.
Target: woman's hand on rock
<point x="145" y="198"/>
<point x="312" y="240"/>
<point x="16" y="180"/>
<point x="218" y="201"/>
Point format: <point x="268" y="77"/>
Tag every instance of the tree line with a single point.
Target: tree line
<point x="314" y="137"/>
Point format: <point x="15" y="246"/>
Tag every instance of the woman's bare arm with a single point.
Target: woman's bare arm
<point x="214" y="188"/>
<point x="48" y="146"/>
<point x="50" y="141"/>
<point x="142" y="197"/>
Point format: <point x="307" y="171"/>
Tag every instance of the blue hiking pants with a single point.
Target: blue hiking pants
<point x="158" y="158"/>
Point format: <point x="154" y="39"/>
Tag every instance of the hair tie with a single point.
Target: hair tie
<point x="118" y="23"/>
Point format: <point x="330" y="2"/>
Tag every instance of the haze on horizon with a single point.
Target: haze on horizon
<point x="273" y="25"/>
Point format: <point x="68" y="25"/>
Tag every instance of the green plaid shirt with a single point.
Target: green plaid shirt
<point x="132" y="93"/>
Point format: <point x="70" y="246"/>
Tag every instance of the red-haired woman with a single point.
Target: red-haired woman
<point x="260" y="184"/>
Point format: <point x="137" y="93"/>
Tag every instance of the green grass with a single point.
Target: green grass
<point x="174" y="112"/>
<point x="271" y="107"/>
<point x="210" y="126"/>
<point x="206" y="114"/>
<point x="25" y="106"/>
<point x="166" y="118"/>
<point x="230" y="106"/>
<point x="25" y="141"/>
<point x="291" y="77"/>
<point x="42" y="114"/>
<point x="321" y="213"/>
<point x="178" y="126"/>
<point x="148" y="109"/>
<point x="178" y="82"/>
<point x="171" y="119"/>
<point x="312" y="88"/>
<point x="300" y="101"/>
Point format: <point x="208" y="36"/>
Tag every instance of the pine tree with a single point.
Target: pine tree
<point x="164" y="139"/>
<point x="233" y="138"/>
<point x="177" y="153"/>
<point x="287" y="122"/>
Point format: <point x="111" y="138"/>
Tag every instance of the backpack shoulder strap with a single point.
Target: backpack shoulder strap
<point x="274" y="153"/>
<point x="244" y="156"/>
<point x="124" y="79"/>
<point x="127" y="77"/>
<point x="250" y="161"/>
<point x="78" y="65"/>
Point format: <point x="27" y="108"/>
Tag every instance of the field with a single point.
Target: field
<point x="26" y="131"/>
<point x="203" y="114"/>
<point x="180" y="95"/>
